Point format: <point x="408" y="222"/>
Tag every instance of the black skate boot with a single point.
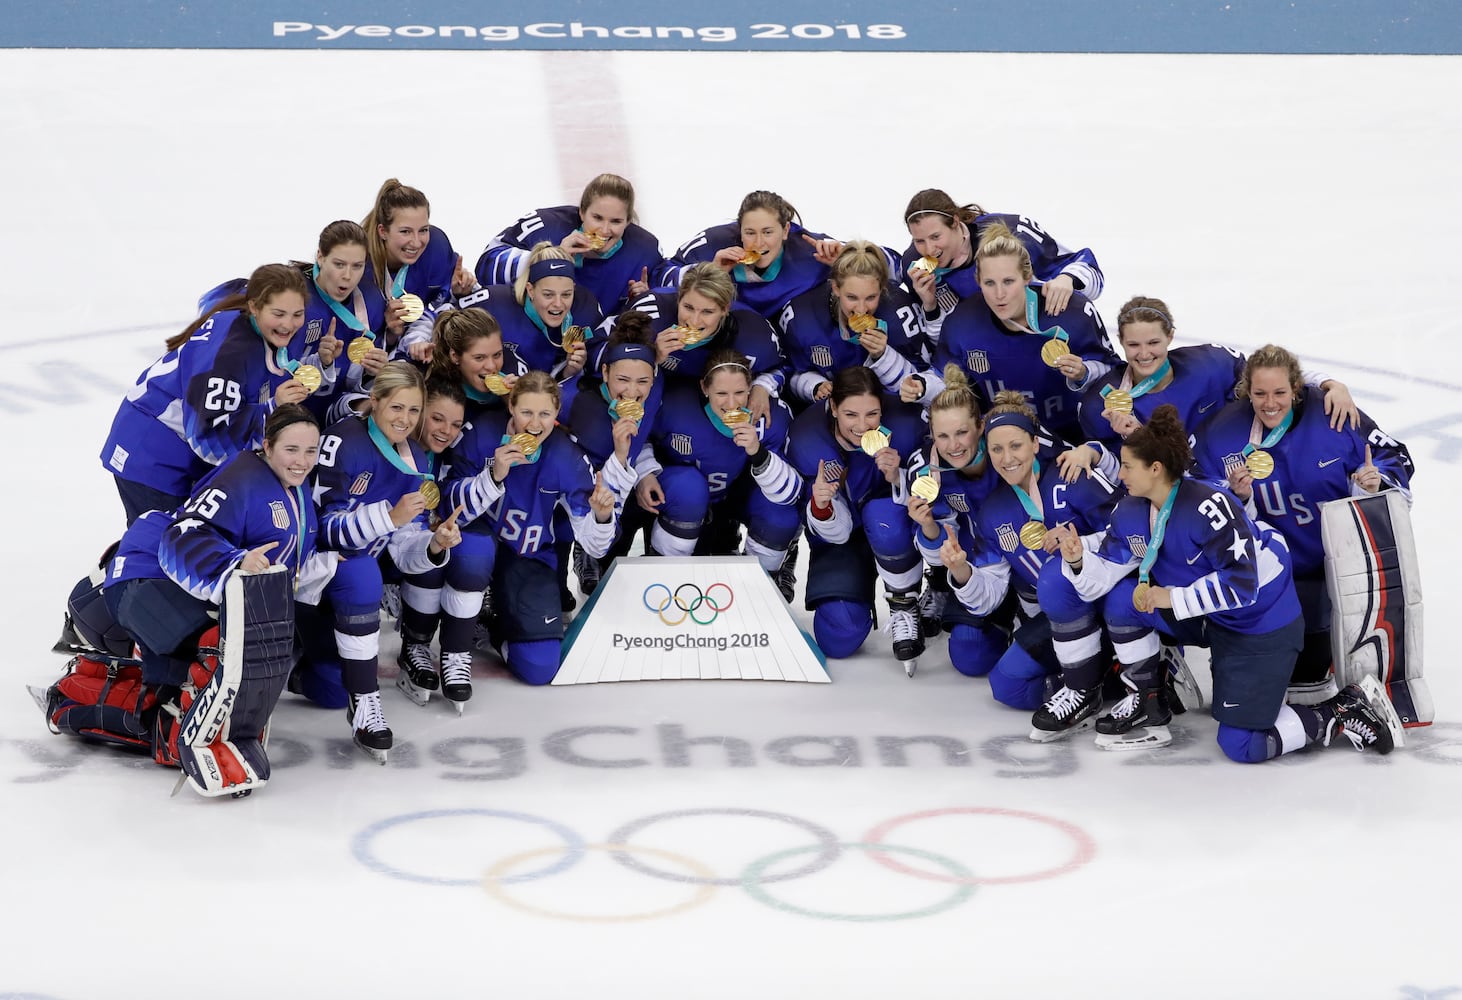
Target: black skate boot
<point x="371" y="732"/>
<point x="903" y="626"/>
<point x="1137" y="722"/>
<point x="418" y="676"/>
<point x="933" y="600"/>
<point x="1363" y="715"/>
<point x="457" y="679"/>
<point x="1065" y="712"/>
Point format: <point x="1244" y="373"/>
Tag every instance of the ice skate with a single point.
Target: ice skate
<point x="457" y="679"/>
<point x="1183" y="691"/>
<point x="1065" y="712"/>
<point x="586" y="570"/>
<point x="932" y="602"/>
<point x="371" y="732"/>
<point x="1363" y="715"/>
<point x="1137" y="722"/>
<point x="418" y="676"/>
<point x="70" y="643"/>
<point x="903" y="626"/>
<point x="391" y="600"/>
<point x="786" y="576"/>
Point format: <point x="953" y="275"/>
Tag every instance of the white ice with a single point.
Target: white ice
<point x="1311" y="201"/>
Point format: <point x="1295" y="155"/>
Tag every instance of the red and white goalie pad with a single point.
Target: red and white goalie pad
<point x="1374" y="584"/>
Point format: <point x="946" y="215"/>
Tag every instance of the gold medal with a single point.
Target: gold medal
<point x="861" y="323"/>
<point x="596" y="242"/>
<point x="750" y="256"/>
<point x="573" y="335"/>
<point x="732" y="418"/>
<point x="1260" y="464"/>
<point x="925" y="264"/>
<point x="430" y="493"/>
<point x="1118" y="401"/>
<point x="1053" y="350"/>
<point x="1139" y="596"/>
<point x="872" y="442"/>
<point x="309" y="377"/>
<point x="1032" y="534"/>
<point x="411" y="307"/>
<point x="629" y="409"/>
<point x="358" y="349"/>
<point x="692" y="335"/>
<point x="495" y="384"/>
<point x="925" y="488"/>
<point x="525" y="442"/>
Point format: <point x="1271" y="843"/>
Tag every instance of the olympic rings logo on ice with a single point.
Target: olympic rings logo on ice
<point x="504" y="877"/>
<point x="690" y="608"/>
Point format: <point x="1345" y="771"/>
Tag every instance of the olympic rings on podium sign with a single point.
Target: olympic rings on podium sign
<point x="680" y="599"/>
<point x="756" y="878"/>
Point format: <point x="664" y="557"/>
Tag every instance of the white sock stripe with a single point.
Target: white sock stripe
<point x="1071" y="651"/>
<point x="461" y="603"/>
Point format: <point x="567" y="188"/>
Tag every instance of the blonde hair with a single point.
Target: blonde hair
<point x="860" y="259"/>
<point x="998" y="241"/>
<point x="535" y="382"/>
<point x="1271" y="356"/>
<point x="958" y="394"/>
<point x="1013" y="401"/>
<point x="709" y="280"/>
<point x="541" y="251"/>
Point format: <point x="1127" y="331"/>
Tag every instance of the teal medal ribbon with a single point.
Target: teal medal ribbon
<point x="854" y="338"/>
<point x="740" y="273"/>
<point x="1033" y="315"/>
<point x="1159" y="529"/>
<point x="398" y="283"/>
<point x="1027" y="504"/>
<point x="720" y="424"/>
<point x="613" y="403"/>
<point x="1146" y="385"/>
<point x="477" y="396"/>
<point x="979" y="457"/>
<point x="281" y="354"/>
<point x="533" y="458"/>
<point x="384" y="446"/>
<point x="568" y="321"/>
<point x="296" y="498"/>
<point x="355" y="320"/>
<point x="1273" y="437"/>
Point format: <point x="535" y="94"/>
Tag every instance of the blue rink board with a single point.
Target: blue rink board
<point x="1422" y="27"/>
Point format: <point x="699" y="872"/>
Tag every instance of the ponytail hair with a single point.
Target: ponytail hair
<point x="860" y="259"/>
<point x="543" y="250"/>
<point x="958" y="394"/>
<point x="390" y="199"/>
<point x="932" y="201"/>
<point x="536" y="381"/>
<point x="996" y="240"/>
<point x="266" y="282"/>
<point x="768" y="201"/>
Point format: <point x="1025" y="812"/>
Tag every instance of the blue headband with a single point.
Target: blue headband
<point x="628" y="352"/>
<point x="1010" y="420"/>
<point x="551" y="269"/>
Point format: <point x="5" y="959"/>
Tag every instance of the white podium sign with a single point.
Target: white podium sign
<point x="682" y="618"/>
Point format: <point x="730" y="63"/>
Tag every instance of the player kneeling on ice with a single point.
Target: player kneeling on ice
<point x="1207" y="575"/>
<point x="376" y="490"/>
<point x="850" y="451"/>
<point x="201" y="693"/>
<point x="510" y="475"/>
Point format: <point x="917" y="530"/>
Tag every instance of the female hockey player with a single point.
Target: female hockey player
<point x="1197" y="381"/>
<point x="1004" y="542"/>
<point x="855" y="318"/>
<point x="344" y="318"/>
<point x="376" y="489"/>
<point x="546" y="318"/>
<point x="1206" y="575"/>
<point x="850" y="451"/>
<point x="468" y="349"/>
<point x="1283" y="459"/>
<point x="1008" y="337"/>
<point x="938" y="266"/>
<point x="701" y="318"/>
<point x="613" y="255"/>
<point x="208" y="397"/>
<point x="722" y="469"/>
<point x="511" y="474"/>
<point x="412" y="264"/>
<point x="766" y="250"/>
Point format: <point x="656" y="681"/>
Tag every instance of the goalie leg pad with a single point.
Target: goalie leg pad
<point x="219" y="737"/>
<point x="102" y="699"/>
<point x="1374" y="583"/>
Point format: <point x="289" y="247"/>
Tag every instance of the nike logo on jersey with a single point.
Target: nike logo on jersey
<point x="550" y="621"/>
<point x="1205" y="409"/>
<point x="1230" y="704"/>
<point x="1195" y="557"/>
<point x="549" y="492"/>
<point x="1330" y="461"/>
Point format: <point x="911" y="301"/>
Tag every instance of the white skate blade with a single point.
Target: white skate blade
<point x="178" y="785"/>
<point x="1043" y="736"/>
<point x="460" y="706"/>
<point x="1376" y="695"/>
<point x="910" y="666"/>
<point x="39" y="694"/>
<point x="419" y="695"/>
<point x="379" y="756"/>
<point x="1146" y="738"/>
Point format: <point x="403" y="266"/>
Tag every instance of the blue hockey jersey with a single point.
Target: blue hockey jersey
<point x="687" y="434"/>
<point x="764" y="289"/>
<point x="817" y="343"/>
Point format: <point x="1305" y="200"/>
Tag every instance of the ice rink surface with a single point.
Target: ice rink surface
<point x="1310" y="201"/>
